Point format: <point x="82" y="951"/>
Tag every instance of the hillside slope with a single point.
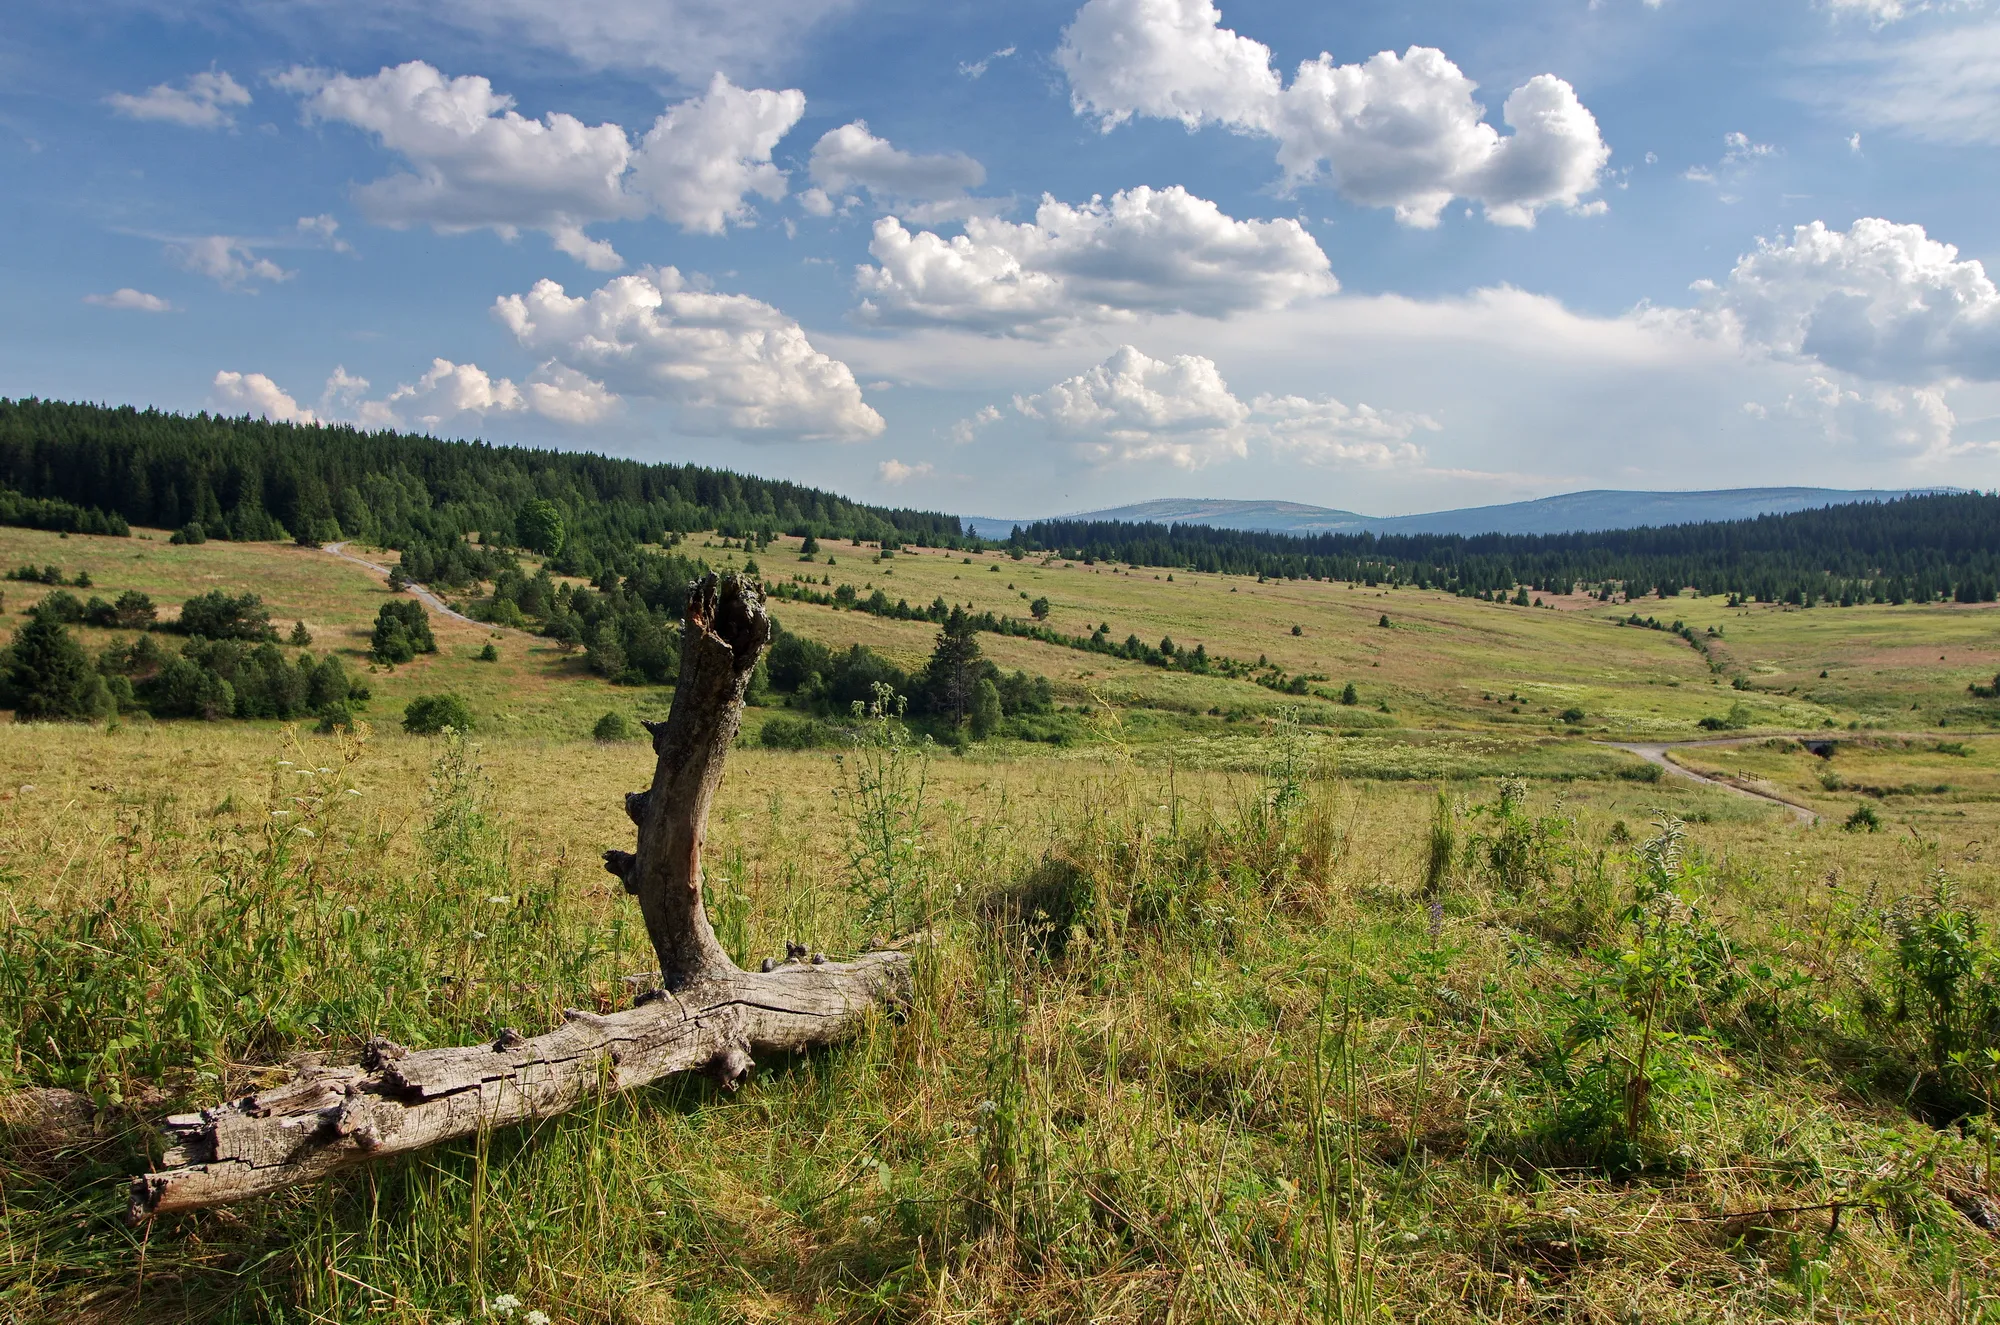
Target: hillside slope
<point x="1570" y="512"/>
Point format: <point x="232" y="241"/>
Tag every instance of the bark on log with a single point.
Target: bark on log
<point x="710" y="1016"/>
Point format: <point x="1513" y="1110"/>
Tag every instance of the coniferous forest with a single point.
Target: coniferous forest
<point x="95" y="469"/>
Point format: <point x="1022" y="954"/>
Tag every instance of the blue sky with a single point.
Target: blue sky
<point x="1039" y="257"/>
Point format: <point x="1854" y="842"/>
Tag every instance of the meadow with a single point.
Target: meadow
<point x="1232" y="1008"/>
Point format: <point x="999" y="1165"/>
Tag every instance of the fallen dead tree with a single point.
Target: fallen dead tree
<point x="708" y="1015"/>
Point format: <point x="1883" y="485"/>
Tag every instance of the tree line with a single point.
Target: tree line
<point x="1913" y="549"/>
<point x="251" y="479"/>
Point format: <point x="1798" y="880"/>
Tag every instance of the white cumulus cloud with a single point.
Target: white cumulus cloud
<point x="477" y="163"/>
<point x="449" y="392"/>
<point x="228" y="261"/>
<point x="1323" y="430"/>
<point x="1880" y="300"/>
<point x="253" y="393"/>
<point x="895" y="471"/>
<point x="136" y="301"/>
<point x="731" y="363"/>
<point x="926" y="185"/>
<point x="1403" y="132"/>
<point x="969" y="427"/>
<point x="1133" y="407"/>
<point x="703" y="157"/>
<point x="1145" y="251"/>
<point x="201" y="102"/>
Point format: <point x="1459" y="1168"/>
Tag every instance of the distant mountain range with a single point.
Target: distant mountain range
<point x="1572" y="512"/>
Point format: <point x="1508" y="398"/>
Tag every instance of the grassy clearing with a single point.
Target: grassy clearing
<point x="1409" y="1015"/>
<point x="1216" y="1045"/>
<point x="1443" y="663"/>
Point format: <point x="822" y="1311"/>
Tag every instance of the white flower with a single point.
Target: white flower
<point x="304" y="831"/>
<point x="505" y="1305"/>
<point x="500" y="901"/>
<point x="535" y="1318"/>
<point x="869" y="1223"/>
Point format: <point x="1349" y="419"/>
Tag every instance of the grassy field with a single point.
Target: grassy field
<point x="1452" y="1017"/>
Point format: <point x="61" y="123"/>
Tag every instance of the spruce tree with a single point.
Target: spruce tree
<point x="48" y="675"/>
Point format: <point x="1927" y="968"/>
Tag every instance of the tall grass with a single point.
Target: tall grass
<point x="1184" y="1048"/>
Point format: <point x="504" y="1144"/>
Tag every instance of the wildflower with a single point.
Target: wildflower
<point x="478" y="934"/>
<point x="869" y="1223"/>
<point x="535" y="1318"/>
<point x="304" y="831"/>
<point x="504" y="1305"/>
<point x="500" y="901"/>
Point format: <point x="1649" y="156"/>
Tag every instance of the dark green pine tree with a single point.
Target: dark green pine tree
<point x="953" y="673"/>
<point x="48" y="675"/>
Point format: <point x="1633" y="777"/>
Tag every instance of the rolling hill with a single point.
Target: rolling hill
<point x="1572" y="512"/>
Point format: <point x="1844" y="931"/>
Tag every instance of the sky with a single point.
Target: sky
<point x="1035" y="258"/>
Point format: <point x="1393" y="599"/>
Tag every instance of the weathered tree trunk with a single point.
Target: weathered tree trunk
<point x="709" y="1016"/>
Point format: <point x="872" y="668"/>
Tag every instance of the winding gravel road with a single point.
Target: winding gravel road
<point x="1655" y="752"/>
<point x="422" y="595"/>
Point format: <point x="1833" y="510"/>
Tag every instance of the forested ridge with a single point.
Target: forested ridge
<point x="1911" y="549"/>
<point x="94" y="469"/>
<point x="250" y="479"/>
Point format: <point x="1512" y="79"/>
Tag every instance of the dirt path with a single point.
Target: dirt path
<point x="1660" y="753"/>
<point x="422" y="595"/>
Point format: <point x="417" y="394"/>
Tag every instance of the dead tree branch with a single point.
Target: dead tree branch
<point x="710" y="1016"/>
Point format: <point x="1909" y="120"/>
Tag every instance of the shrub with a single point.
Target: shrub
<point x="1039" y="609"/>
<point x="612" y="727"/>
<point x="300" y="638"/>
<point x="1572" y="715"/>
<point x="428" y="715"/>
<point x="1349" y="695"/>
<point x="133" y="611"/>
<point x="217" y="615"/>
<point x="63" y="606"/>
<point x="985" y="708"/>
<point x="1738" y="717"/>
<point x="489" y="653"/>
<point x="1864" y="819"/>
<point x="191" y="532"/>
<point x="1384" y="622"/>
<point x="782" y="733"/>
<point x="402" y="631"/>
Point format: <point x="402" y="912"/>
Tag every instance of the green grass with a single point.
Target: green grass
<point x="1156" y="996"/>
<point x="1213" y="1027"/>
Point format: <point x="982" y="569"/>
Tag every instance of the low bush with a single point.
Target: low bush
<point x="430" y="715"/>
